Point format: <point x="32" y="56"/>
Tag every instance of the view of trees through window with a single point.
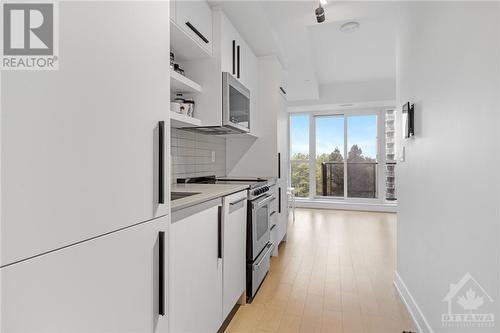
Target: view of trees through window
<point x="299" y="152"/>
<point x="329" y="162"/>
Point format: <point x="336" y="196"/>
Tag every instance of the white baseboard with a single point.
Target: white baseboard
<point x="358" y="206"/>
<point x="421" y="323"/>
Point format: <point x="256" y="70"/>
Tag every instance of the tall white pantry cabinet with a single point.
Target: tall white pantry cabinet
<point x="84" y="176"/>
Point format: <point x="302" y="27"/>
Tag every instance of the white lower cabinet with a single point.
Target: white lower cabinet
<point x="195" y="288"/>
<point x="207" y="263"/>
<point x="234" y="256"/>
<point x="107" y="284"/>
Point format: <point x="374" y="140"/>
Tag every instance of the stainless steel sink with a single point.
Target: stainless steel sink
<point x="180" y="195"/>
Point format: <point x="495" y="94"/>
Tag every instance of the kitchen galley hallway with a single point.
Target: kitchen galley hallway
<point x="334" y="273"/>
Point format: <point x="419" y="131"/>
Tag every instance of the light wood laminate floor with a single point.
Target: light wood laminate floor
<point x="334" y="273"/>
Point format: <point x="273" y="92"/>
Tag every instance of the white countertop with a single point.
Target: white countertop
<point x="206" y="192"/>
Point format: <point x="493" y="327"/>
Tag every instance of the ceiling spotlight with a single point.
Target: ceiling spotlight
<point x="320" y="13"/>
<point x="349" y="26"/>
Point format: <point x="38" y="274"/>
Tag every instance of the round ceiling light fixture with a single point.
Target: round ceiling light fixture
<point x="350" y="26"/>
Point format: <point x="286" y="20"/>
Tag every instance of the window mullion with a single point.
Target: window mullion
<point x="345" y="157"/>
<point x="312" y="157"/>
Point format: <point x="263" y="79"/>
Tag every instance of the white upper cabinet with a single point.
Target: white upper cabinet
<point x="195" y="19"/>
<point x="229" y="39"/>
<point x="233" y="49"/>
<point x="107" y="284"/>
<point x="80" y="156"/>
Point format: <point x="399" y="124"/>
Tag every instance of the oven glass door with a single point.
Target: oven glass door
<point x="260" y="224"/>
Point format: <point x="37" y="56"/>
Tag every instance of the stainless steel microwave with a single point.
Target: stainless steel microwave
<point x="235" y="104"/>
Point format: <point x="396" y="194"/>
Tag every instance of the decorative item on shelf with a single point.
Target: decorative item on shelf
<point x="172" y="60"/>
<point x="182" y="105"/>
<point x="179" y="98"/>
<point x="178" y="69"/>
<point x="189" y="103"/>
<point x="177" y="105"/>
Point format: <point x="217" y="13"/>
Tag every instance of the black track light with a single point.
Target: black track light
<point x="320" y="14"/>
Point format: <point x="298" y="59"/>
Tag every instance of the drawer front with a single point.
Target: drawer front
<point x="261" y="267"/>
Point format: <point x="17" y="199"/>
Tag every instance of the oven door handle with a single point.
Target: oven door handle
<point x="270" y="247"/>
<point x="264" y="201"/>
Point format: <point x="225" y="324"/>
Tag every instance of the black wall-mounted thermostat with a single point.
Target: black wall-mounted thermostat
<point x="408" y="120"/>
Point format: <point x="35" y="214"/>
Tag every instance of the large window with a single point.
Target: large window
<point x="299" y="154"/>
<point x="362" y="156"/>
<point x="330" y="156"/>
<point x="335" y="155"/>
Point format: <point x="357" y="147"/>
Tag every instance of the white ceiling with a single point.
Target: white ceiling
<point x="319" y="54"/>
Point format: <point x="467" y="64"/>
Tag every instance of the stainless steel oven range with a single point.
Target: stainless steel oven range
<point x="259" y="247"/>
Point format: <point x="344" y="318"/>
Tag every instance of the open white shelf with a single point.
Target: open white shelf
<point x="181" y="84"/>
<point x="179" y="120"/>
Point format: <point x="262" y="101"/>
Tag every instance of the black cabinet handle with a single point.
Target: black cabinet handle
<point x="234" y="57"/>
<point x="219" y="232"/>
<point x="197" y="32"/>
<point x="283" y="90"/>
<point x="161" y="275"/>
<point x="238" y="51"/>
<point x="279" y="200"/>
<point x="279" y="165"/>
<point x="161" y="162"/>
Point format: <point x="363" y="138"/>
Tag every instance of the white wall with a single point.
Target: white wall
<point x="192" y="154"/>
<point x="353" y="92"/>
<point x="448" y="187"/>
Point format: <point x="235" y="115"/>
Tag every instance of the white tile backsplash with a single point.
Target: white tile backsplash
<point x="192" y="154"/>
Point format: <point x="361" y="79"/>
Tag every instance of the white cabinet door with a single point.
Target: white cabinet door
<point x="80" y="144"/>
<point x="234" y="257"/>
<point x="241" y="65"/>
<point x="195" y="18"/>
<point x="229" y="39"/>
<point x="195" y="281"/>
<point x="274" y="230"/>
<point x="252" y="83"/>
<point x="233" y="49"/>
<point x="107" y="284"/>
<point x="282" y="210"/>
